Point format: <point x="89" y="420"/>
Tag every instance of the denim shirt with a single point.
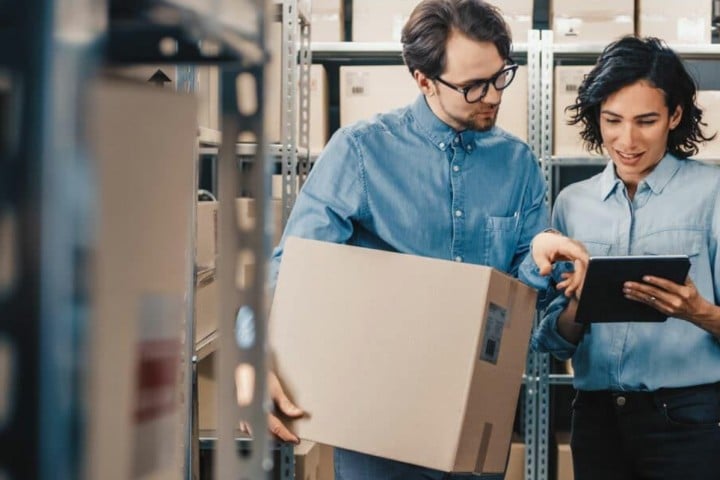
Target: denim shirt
<point x="406" y="182"/>
<point x="676" y="210"/>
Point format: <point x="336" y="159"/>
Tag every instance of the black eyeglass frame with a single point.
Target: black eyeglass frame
<point x="485" y="83"/>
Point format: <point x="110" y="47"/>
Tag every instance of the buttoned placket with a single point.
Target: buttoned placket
<point x="456" y="157"/>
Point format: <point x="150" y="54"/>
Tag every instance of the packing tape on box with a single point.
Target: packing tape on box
<point x="484" y="446"/>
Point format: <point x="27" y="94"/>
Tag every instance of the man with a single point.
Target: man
<point x="436" y="178"/>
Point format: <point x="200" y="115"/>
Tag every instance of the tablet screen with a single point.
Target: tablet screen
<point x="603" y="300"/>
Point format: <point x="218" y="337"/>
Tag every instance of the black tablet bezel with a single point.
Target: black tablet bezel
<point x="602" y="299"/>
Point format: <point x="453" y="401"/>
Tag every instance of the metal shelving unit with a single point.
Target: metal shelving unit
<point x="44" y="295"/>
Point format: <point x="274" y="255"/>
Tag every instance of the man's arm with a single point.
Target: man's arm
<point x="332" y="199"/>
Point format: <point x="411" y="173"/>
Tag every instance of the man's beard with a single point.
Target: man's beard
<point x="475" y="121"/>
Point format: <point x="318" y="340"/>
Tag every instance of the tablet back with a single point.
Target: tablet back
<point x="603" y="300"/>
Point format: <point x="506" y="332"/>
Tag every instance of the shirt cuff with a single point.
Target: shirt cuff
<point x="547" y="338"/>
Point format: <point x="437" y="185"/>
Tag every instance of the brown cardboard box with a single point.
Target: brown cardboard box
<point x="663" y="19"/>
<point x="246" y="216"/>
<point x="513" y="113"/>
<point x="431" y="350"/>
<point x="592" y="22"/>
<point x="327" y="462"/>
<point x="141" y="271"/>
<point x="207" y="393"/>
<point x="564" y="460"/>
<point x="313" y="461"/>
<point x="207" y="87"/>
<point x="709" y="101"/>
<point x="567" y="137"/>
<point x="327" y="21"/>
<point x="380" y="20"/>
<point x="518" y="15"/>
<point x="369" y="90"/>
<point x="206" y="292"/>
<point x="307" y="460"/>
<point x="516" y="462"/>
<point x="206" y="235"/>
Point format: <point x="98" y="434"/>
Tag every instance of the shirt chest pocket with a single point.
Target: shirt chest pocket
<point x="596" y="249"/>
<point x="501" y="237"/>
<point x="673" y="242"/>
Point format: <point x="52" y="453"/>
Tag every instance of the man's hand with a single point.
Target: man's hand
<point x="551" y="247"/>
<point x="285" y="407"/>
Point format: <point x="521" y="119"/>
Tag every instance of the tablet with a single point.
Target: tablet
<point x="602" y="298"/>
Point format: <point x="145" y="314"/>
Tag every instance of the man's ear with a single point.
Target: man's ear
<point x="424" y="83"/>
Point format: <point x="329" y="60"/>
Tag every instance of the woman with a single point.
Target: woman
<point x="648" y="400"/>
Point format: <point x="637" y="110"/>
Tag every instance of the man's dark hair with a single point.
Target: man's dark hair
<point x="625" y="62"/>
<point x="425" y="34"/>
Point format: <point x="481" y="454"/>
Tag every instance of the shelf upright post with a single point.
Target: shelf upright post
<point x="47" y="187"/>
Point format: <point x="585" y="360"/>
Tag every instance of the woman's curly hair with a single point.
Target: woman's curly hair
<point x="625" y="62"/>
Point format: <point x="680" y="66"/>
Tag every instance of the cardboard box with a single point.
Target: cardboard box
<point x="567" y="141"/>
<point x="380" y="20"/>
<point x="328" y="21"/>
<point x="327" y="462"/>
<point x="319" y="109"/>
<point x="709" y="102"/>
<point x="206" y="235"/>
<point x="313" y="461"/>
<point x="207" y="86"/>
<point x="516" y="462"/>
<point x="663" y="19"/>
<point x="207" y="301"/>
<point x="319" y="103"/>
<point x="513" y="114"/>
<point x="564" y="460"/>
<point x="246" y="217"/>
<point x="368" y="90"/>
<point x="207" y="393"/>
<point x="518" y="14"/>
<point x="307" y="460"/>
<point x="592" y="22"/>
<point x="431" y="350"/>
<point x="141" y="271"/>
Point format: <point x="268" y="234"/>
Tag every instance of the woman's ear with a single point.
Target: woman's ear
<point x="676" y="117"/>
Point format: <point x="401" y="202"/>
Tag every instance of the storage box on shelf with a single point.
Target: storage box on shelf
<point x="689" y="24"/>
<point x="592" y="22"/>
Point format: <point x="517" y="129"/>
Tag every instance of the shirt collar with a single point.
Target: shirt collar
<point x="656" y="180"/>
<point x="440" y="133"/>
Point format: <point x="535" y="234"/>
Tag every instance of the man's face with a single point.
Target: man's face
<point x="467" y="61"/>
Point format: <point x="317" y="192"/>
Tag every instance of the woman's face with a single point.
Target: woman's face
<point x="634" y="124"/>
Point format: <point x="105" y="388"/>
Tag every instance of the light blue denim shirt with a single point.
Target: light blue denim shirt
<point x="405" y="181"/>
<point x="676" y="210"/>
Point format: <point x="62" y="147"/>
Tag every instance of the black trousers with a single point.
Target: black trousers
<point x="669" y="434"/>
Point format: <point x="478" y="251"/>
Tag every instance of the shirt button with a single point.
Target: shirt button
<point x="441" y="145"/>
<point x="469" y="148"/>
<point x="457" y="139"/>
<point x="620" y="401"/>
<point x="456" y="168"/>
<point x="458" y="213"/>
<point x="458" y="259"/>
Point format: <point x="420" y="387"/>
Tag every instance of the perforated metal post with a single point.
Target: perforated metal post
<point x="242" y="353"/>
<point x="288" y="132"/>
<point x="543" y="360"/>
<point x="305" y="57"/>
<point x="534" y="140"/>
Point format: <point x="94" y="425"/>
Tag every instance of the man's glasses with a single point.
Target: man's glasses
<point x="477" y="91"/>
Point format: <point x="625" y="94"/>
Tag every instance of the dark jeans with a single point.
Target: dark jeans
<point x="357" y="466"/>
<point x="669" y="434"/>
